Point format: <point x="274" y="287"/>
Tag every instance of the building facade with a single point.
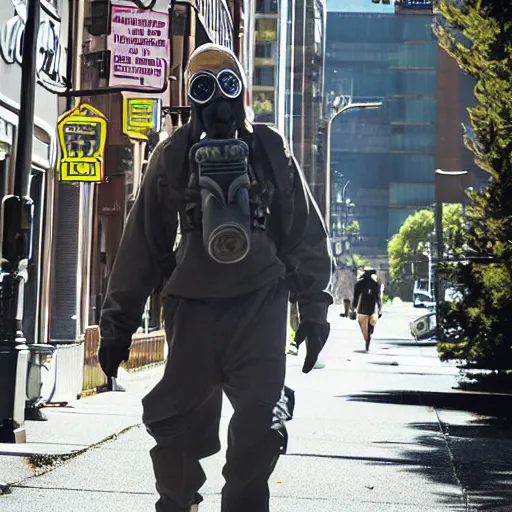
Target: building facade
<point x="383" y="160"/>
<point x="308" y="130"/>
<point x="51" y="72"/>
<point x="78" y="225"/>
<point x="285" y="64"/>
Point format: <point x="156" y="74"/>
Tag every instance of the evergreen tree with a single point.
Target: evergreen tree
<point x="478" y="34"/>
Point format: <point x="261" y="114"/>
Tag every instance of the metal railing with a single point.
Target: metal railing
<point x="146" y="349"/>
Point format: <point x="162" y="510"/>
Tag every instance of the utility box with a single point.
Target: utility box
<point x="41" y="374"/>
<point x="13" y="379"/>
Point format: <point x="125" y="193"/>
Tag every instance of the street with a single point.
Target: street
<point x="360" y="441"/>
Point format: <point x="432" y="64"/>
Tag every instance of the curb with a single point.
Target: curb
<point x="40" y="464"/>
<point x="43" y="463"/>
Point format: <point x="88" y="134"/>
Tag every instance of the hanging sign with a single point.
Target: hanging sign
<point x="50" y="62"/>
<point x="82" y="136"/>
<point x="141" y="116"/>
<point x="139" y="46"/>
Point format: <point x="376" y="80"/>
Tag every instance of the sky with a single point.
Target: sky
<point x="359" y="6"/>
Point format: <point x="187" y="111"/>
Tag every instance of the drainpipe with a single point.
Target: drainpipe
<point x="86" y="200"/>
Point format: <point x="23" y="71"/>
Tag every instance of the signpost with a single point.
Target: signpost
<point x="82" y="135"/>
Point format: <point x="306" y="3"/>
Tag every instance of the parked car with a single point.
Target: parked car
<point x="423" y="300"/>
<point x="422" y="296"/>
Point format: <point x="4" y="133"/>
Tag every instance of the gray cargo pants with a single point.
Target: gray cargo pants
<point x="232" y="345"/>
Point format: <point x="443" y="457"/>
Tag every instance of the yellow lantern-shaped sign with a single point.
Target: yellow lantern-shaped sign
<point x="82" y="136"/>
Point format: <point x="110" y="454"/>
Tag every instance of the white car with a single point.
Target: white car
<point x="423" y="300"/>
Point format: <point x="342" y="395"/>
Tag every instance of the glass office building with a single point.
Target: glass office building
<point x="266" y="61"/>
<point x="383" y="159"/>
<point x="285" y="46"/>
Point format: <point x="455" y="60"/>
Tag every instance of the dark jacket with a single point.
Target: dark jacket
<point x="367" y="296"/>
<point x="296" y="245"/>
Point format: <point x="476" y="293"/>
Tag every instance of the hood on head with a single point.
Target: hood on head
<point x="214" y="58"/>
<point x="369" y="273"/>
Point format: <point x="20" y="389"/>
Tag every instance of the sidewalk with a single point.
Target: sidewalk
<point x="368" y="436"/>
<point x="72" y="430"/>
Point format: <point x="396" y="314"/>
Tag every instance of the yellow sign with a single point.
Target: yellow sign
<point x="140" y="117"/>
<point x="82" y="136"/>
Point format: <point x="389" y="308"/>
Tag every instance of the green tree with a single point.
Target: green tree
<point x="353" y="261"/>
<point x="478" y="35"/>
<point x="408" y="249"/>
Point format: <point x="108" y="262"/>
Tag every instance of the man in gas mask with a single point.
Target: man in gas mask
<point x="251" y="238"/>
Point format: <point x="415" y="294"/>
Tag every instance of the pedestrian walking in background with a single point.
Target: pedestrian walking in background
<point x="367" y="299"/>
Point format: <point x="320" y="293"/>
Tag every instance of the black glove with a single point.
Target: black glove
<point x="315" y="335"/>
<point x="110" y="358"/>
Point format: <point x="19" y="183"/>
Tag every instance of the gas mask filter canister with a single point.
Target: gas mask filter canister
<point x="223" y="180"/>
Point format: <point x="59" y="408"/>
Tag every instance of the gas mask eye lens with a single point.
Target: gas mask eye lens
<point x="202" y="88"/>
<point x="229" y="83"/>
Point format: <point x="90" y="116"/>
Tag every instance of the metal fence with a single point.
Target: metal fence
<point x="146" y="349"/>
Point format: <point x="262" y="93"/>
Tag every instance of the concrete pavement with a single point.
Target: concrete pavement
<point x="367" y="436"/>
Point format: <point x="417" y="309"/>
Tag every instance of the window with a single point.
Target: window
<point x="266" y="6"/>
<point x="263" y="50"/>
<point x="264" y="75"/>
<point x="263" y="107"/>
<point x="405" y="110"/>
<point x="411" y="194"/>
<point x="415" y="56"/>
<point x="266" y="30"/>
<point x="414" y="139"/>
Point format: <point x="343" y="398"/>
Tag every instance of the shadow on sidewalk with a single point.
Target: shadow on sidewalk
<point x="477" y="453"/>
<point x="484" y="404"/>
<point x="481" y="457"/>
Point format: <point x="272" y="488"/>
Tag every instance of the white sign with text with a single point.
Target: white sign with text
<point x="139" y="46"/>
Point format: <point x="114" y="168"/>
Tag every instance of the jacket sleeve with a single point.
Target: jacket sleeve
<point x="312" y="253"/>
<point x="139" y="265"/>
<point x="379" y="298"/>
<point x="357" y="294"/>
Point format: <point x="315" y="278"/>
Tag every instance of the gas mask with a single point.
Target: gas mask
<point x="217" y="103"/>
<point x="220" y="160"/>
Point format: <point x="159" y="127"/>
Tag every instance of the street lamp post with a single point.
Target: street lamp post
<point x="16" y="249"/>
<point x="350" y="106"/>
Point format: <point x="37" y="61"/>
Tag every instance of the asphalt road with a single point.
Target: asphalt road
<point x="353" y="446"/>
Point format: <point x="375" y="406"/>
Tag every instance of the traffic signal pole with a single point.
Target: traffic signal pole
<point x="16" y="249"/>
